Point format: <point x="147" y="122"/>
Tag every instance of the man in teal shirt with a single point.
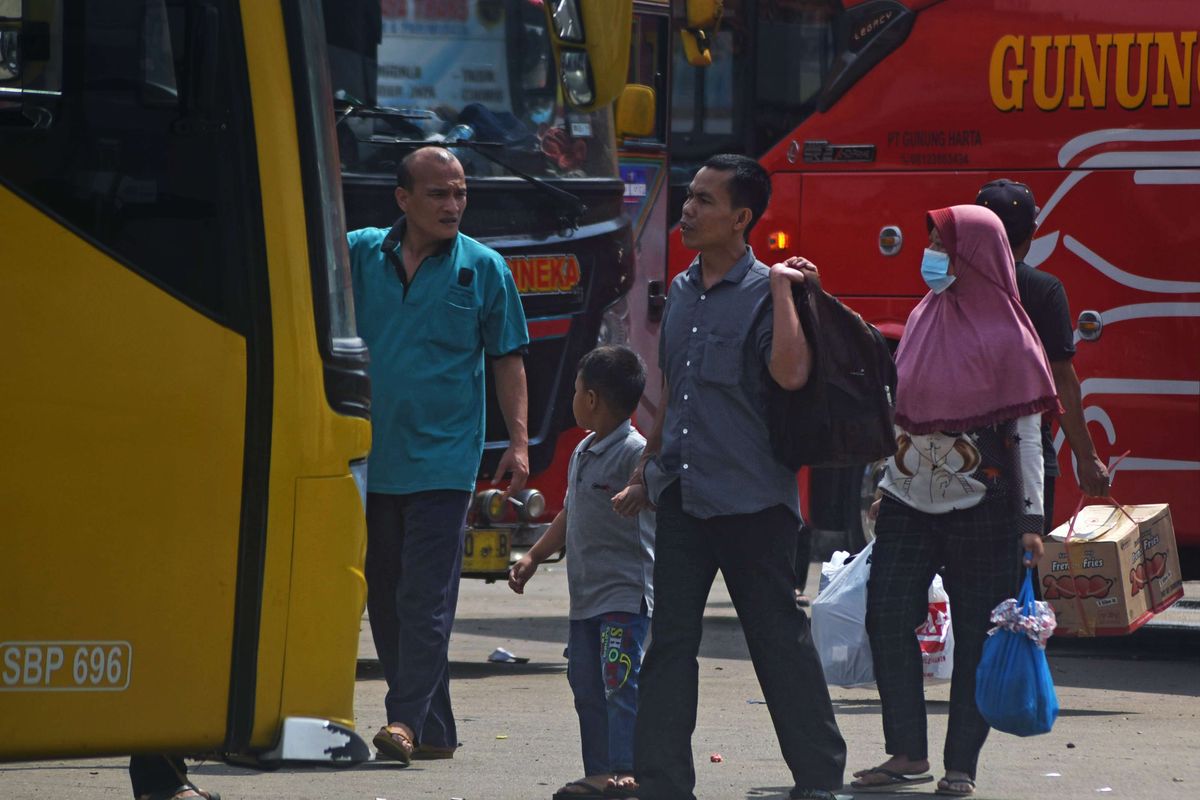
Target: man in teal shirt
<point x="430" y="304"/>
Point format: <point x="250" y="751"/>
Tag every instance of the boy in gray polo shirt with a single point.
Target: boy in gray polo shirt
<point x="609" y="568"/>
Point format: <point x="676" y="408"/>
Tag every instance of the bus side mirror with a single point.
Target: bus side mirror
<point x="697" y="48"/>
<point x="703" y="13"/>
<point x="636" y="110"/>
<point x="698" y="21"/>
<point x="590" y="39"/>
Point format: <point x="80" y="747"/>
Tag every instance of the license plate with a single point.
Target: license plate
<point x="65" y="666"/>
<point x="485" y="551"/>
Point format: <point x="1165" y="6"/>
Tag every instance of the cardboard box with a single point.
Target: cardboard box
<point x="1119" y="570"/>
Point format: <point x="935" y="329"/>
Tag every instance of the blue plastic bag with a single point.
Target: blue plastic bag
<point x="1013" y="687"/>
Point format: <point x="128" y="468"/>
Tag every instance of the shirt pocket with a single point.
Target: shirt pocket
<point x="456" y="325"/>
<point x="721" y="361"/>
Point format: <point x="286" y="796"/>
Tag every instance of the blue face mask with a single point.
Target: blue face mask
<point x="935" y="269"/>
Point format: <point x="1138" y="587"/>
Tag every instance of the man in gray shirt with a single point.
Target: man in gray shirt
<point x="723" y="501"/>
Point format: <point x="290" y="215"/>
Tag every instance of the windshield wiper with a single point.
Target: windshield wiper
<point x="568" y="217"/>
<point x="569" y="214"/>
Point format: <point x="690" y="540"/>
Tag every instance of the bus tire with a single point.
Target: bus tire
<point x="860" y="494"/>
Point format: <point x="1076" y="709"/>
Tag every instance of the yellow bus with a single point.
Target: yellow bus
<point x="185" y="401"/>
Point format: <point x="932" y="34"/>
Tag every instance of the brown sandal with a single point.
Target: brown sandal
<point x="429" y="752"/>
<point x="394" y="743"/>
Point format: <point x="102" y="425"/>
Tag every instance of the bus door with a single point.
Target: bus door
<point x="644" y="169"/>
<point x="152" y="534"/>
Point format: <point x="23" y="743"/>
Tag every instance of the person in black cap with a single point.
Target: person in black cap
<point x="1045" y="301"/>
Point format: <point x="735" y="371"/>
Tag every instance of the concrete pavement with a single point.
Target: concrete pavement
<point x="1128" y="729"/>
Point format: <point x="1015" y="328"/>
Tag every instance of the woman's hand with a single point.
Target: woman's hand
<point x="1032" y="549"/>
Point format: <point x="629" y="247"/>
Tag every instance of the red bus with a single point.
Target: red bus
<point x="868" y="112"/>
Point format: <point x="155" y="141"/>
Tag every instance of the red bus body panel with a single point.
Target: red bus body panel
<point x="1096" y="105"/>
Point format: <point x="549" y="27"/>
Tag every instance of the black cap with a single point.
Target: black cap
<point x="1013" y="203"/>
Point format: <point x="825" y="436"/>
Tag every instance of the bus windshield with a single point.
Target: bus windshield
<point x="770" y="58"/>
<point x="417" y="71"/>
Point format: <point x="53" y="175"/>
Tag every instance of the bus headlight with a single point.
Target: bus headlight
<point x="614" y="324"/>
<point x="577" y="78"/>
<point x="568" y="22"/>
<point x="530" y="504"/>
<point x="490" y="506"/>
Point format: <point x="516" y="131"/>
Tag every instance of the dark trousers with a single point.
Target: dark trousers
<point x="755" y="554"/>
<point x="414" y="556"/>
<point x="978" y="552"/>
<point x="150" y="774"/>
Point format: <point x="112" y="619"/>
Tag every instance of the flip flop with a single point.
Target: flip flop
<point x="592" y="791"/>
<point x="622" y="792"/>
<point x="943" y="787"/>
<point x="894" y="779"/>
<point x="816" y="794"/>
<point x="394" y="744"/>
<point x="170" y="794"/>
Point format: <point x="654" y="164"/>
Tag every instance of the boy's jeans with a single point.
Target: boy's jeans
<point x="604" y="657"/>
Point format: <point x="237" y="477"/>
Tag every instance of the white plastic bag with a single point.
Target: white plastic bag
<point x="839" y="624"/>
<point x="840" y="633"/>
<point x="832" y="567"/>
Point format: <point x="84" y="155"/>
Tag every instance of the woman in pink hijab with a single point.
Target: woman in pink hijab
<point x="963" y="494"/>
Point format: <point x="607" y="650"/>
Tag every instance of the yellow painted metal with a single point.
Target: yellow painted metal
<point x="120" y="485"/>
<point x="607" y="26"/>
<point x="636" y="111"/>
<point x="326" y="602"/>
<point x="486" y="550"/>
<point x="308" y="439"/>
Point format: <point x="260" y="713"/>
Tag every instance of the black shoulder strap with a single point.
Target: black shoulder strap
<point x="390" y="243"/>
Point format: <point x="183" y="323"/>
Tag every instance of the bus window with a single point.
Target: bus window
<point x="483" y="72"/>
<point x="770" y="58"/>
<point x="141" y="144"/>
<point x="794" y="51"/>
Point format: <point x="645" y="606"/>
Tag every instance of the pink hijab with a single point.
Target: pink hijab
<point x="970" y="356"/>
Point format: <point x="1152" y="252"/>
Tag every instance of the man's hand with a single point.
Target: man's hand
<point x="1093" y="477"/>
<point x="631" y="500"/>
<point x="792" y="271"/>
<point x="520" y="573"/>
<point x="1031" y="542"/>
<point x="516" y="461"/>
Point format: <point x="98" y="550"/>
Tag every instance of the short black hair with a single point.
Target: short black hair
<point x="749" y="185"/>
<point x="404" y="176"/>
<point x="617" y="374"/>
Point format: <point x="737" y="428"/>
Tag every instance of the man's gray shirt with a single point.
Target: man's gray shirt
<point x="610" y="558"/>
<point x="714" y="347"/>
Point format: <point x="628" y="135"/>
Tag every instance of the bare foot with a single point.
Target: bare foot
<point x="956" y="783"/>
<point x="623" y="783"/>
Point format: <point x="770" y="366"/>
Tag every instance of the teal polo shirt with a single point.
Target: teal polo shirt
<point x="427" y="342"/>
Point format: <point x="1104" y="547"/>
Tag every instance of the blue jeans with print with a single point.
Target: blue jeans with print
<point x="604" y="657"/>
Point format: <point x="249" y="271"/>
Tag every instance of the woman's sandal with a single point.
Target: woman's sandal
<point x="394" y="743"/>
<point x="578" y="789"/>
<point x="623" y="786"/>
<point x="946" y="787"/>
<point x="429" y="752"/>
<point x="172" y="794"/>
